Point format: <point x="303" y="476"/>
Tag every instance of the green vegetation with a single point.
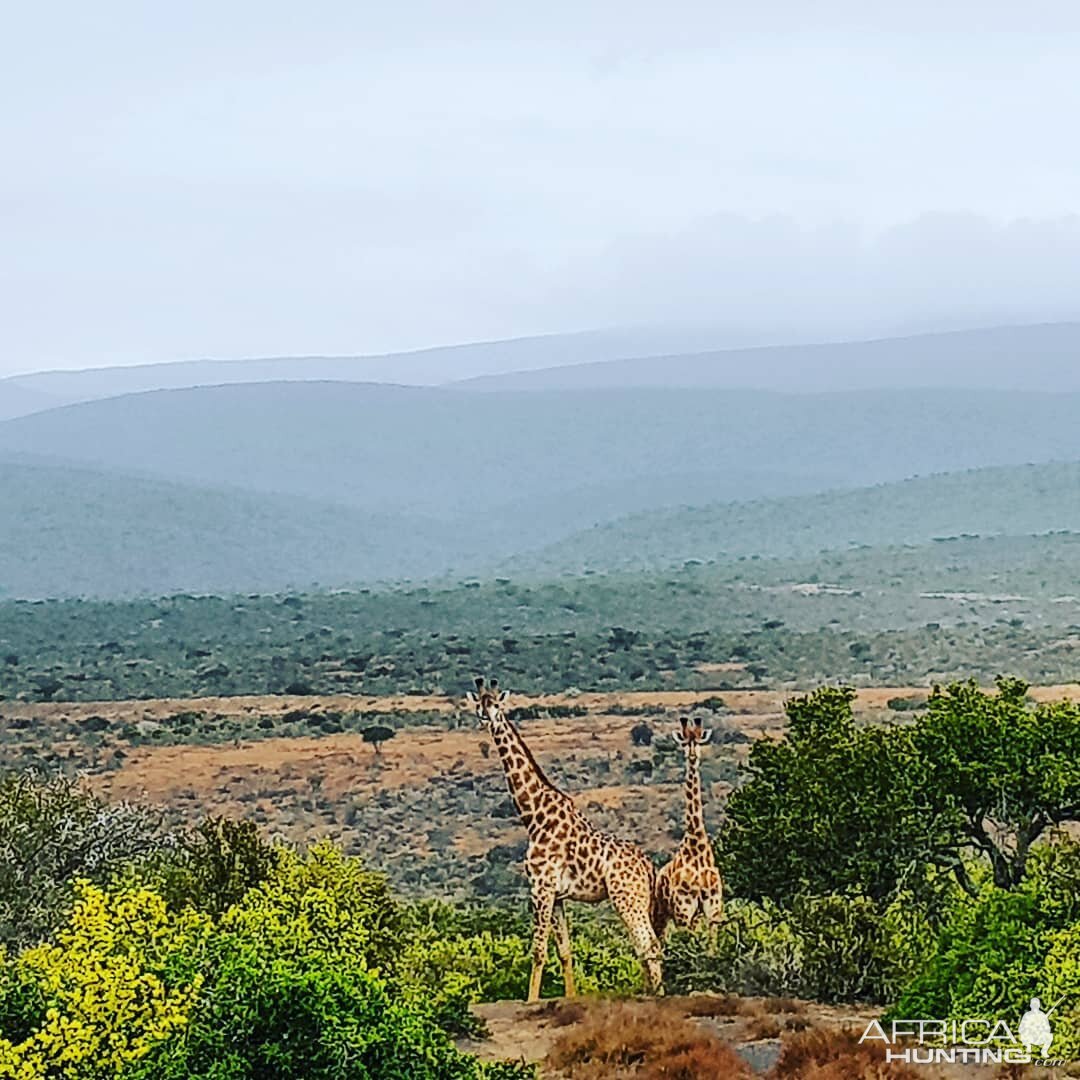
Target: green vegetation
<point x="223" y="958"/>
<point x="894" y="807"/>
<point x="888" y="617"/>
<point x="948" y="893"/>
<point x="51" y="833"/>
<point x="919" y="869"/>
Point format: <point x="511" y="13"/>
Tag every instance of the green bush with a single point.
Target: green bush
<point x="459" y="956"/>
<point x="836" y="807"/>
<point x="307" y="976"/>
<point x="1062" y="985"/>
<point x="1009" y="945"/>
<point x="303" y="976"/>
<point x="121" y="980"/>
<point x="835" y="948"/>
<point x="214" y="865"/>
<point x="832" y="808"/>
<point x="51" y="834"/>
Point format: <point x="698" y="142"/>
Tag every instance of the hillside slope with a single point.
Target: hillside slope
<point x="1011" y="501"/>
<point x="527" y="469"/>
<point x="418" y="367"/>
<point x="16" y="400"/>
<point x="1042" y="357"/>
<point x="1035" y="357"/>
<point x="82" y="532"/>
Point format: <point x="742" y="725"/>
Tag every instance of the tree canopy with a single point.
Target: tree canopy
<point x="834" y="806"/>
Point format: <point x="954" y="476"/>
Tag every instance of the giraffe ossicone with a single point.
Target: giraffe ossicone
<point x="567" y="857"/>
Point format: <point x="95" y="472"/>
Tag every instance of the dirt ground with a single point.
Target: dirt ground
<point x="756" y="1028"/>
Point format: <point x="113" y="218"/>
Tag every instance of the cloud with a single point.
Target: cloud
<point x="939" y="269"/>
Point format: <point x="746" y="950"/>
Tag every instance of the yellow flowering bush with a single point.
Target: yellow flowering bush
<point x="300" y="977"/>
<point x="323" y="902"/>
<point x="301" y="980"/>
<point x="120" y="978"/>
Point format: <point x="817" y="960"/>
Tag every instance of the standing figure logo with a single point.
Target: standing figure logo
<point x="1035" y="1027"/>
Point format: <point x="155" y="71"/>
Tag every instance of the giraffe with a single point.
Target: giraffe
<point x="567" y="858"/>
<point x="689" y="887"/>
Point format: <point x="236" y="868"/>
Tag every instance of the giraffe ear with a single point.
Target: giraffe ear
<point x="677" y="735"/>
<point x="472" y="698"/>
<point x="706" y="735"/>
<point x="504" y="696"/>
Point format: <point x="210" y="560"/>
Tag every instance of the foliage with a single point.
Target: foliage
<point x="691" y="625"/>
<point x="324" y="900"/>
<point x="377" y="734"/>
<point x="1062" y="987"/>
<point x="834" y="948"/>
<point x="1009" y="771"/>
<point x="118" y="982"/>
<point x="1009" y="945"/>
<point x="831" y="807"/>
<point x="461" y="955"/>
<point x="53" y="832"/>
<point x="887" y="809"/>
<point x="304" y="977"/>
<point x="301" y="976"/>
<point x="214" y="865"/>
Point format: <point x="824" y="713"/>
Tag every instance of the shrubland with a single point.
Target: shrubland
<point x="923" y="866"/>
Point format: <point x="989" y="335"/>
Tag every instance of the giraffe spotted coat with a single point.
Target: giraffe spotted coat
<point x="689" y="887"/>
<point x="567" y="857"/>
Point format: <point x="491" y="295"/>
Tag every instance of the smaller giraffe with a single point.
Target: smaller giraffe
<point x="567" y="858"/>
<point x="689" y="887"/>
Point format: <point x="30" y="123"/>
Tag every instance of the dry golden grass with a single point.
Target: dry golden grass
<point x="711" y="1005"/>
<point x="822" y="1054"/>
<point x="646" y="1040"/>
<point x="749" y="703"/>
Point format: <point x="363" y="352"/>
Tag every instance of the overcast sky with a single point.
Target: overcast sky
<point x="242" y="178"/>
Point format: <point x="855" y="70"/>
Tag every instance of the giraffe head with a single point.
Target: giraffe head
<point x="690" y="734"/>
<point x="488" y="700"/>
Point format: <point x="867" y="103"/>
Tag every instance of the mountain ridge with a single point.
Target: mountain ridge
<point x="995" y="358"/>
<point x="559" y="360"/>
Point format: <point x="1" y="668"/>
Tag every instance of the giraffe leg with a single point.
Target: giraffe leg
<point x="633" y="906"/>
<point x="562" y="943"/>
<point x="661" y="905"/>
<point x="543" y="903"/>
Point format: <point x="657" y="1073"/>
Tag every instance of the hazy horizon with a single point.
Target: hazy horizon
<point x="250" y="182"/>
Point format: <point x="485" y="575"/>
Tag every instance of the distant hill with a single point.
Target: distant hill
<point x="16" y="400"/>
<point x="80" y="531"/>
<point x="516" y="471"/>
<point x="422" y="367"/>
<point x="83" y="532"/>
<point x="1040" y="357"/>
<point x="1015" y="501"/>
<point x="1043" y="357"/>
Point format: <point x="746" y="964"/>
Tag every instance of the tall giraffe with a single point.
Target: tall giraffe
<point x="689" y="887"/>
<point x="567" y="858"/>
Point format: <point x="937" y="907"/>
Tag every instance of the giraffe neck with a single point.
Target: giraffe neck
<point x="528" y="786"/>
<point x="695" y="817"/>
